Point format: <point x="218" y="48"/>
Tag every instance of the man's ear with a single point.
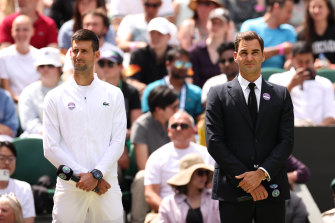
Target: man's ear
<point x="97" y="55"/>
<point x="235" y="55"/>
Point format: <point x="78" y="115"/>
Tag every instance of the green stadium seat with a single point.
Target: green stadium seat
<point x="327" y="73"/>
<point x="268" y="71"/>
<point x="31" y="163"/>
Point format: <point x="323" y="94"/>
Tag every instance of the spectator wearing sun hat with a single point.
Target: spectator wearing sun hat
<point x="190" y="182"/>
<point x="30" y="107"/>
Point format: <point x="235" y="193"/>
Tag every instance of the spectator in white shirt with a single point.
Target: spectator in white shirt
<point x="312" y="95"/>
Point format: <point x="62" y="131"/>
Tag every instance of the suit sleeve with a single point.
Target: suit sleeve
<point x="215" y="138"/>
<point x="280" y="153"/>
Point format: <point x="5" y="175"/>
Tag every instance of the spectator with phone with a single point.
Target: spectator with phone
<point x="312" y="95"/>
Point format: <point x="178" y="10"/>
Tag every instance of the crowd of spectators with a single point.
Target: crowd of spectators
<point x="164" y="55"/>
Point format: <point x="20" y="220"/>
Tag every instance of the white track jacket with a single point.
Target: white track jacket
<point x="85" y="129"/>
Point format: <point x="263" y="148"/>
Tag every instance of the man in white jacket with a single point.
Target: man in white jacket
<point x="85" y="128"/>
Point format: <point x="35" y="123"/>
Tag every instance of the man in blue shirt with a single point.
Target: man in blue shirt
<point x="178" y="65"/>
<point x="277" y="35"/>
<point x="9" y="122"/>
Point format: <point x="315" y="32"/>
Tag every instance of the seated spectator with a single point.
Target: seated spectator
<point x="148" y="133"/>
<point x="242" y="10"/>
<point x="192" y="200"/>
<point x="97" y="22"/>
<point x="6" y="8"/>
<point x="164" y="162"/>
<point x="312" y="95"/>
<point x="21" y="189"/>
<point x="110" y="68"/>
<point x="277" y="35"/>
<point x="295" y="209"/>
<point x="71" y="26"/>
<point x="9" y="122"/>
<point x="61" y="11"/>
<point x="17" y="61"/>
<point x="329" y="216"/>
<point x="132" y="32"/>
<point x="31" y="100"/>
<point x="318" y="30"/>
<point x="297" y="171"/>
<point x="120" y="8"/>
<point x="204" y="55"/>
<point x="45" y="28"/>
<point x="194" y="29"/>
<point x="178" y="65"/>
<point x="10" y="209"/>
<point x="148" y="64"/>
<point x="229" y="70"/>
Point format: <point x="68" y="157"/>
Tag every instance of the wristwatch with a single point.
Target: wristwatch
<point x="97" y="174"/>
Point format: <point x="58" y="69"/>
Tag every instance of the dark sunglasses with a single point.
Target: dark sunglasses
<point x="206" y="3"/>
<point x="230" y="60"/>
<point x="103" y="63"/>
<point x="48" y="65"/>
<point x="183" y="126"/>
<point x="153" y="5"/>
<point x="200" y="173"/>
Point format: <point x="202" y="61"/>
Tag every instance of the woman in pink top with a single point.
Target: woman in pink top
<point x="192" y="201"/>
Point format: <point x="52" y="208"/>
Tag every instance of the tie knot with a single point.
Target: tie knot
<point x="252" y="86"/>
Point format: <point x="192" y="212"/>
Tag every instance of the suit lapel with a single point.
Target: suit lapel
<point x="265" y="101"/>
<point x="235" y="91"/>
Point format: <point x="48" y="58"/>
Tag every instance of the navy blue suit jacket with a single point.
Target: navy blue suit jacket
<point x="236" y="145"/>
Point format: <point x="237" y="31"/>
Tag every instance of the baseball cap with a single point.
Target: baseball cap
<point x="113" y="55"/>
<point x="159" y="24"/>
<point x="48" y="55"/>
<point x="219" y="13"/>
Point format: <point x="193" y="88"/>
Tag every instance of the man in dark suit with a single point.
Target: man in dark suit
<point x="249" y="133"/>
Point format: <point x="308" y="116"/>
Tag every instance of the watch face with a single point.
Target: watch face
<point x="97" y="174"/>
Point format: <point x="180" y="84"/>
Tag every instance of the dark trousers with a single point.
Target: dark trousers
<point x="245" y="212"/>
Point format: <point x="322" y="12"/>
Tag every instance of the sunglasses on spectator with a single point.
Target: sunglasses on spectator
<point x="10" y="159"/>
<point x="48" y="66"/>
<point x="200" y="172"/>
<point x="103" y="63"/>
<point x="179" y="64"/>
<point x="205" y="3"/>
<point x="230" y="60"/>
<point x="153" y="5"/>
<point x="183" y="126"/>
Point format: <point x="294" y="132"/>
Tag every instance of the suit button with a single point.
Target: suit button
<point x="256" y="140"/>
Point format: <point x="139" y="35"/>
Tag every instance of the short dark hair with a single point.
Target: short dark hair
<point x="161" y="96"/>
<point x="281" y="3"/>
<point x="248" y="35"/>
<point x="86" y="35"/>
<point x="301" y="47"/>
<point x="225" y="46"/>
<point x="99" y="12"/>
<point x="172" y="53"/>
<point x="10" y="146"/>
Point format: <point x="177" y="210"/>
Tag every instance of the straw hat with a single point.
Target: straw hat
<point x="188" y="164"/>
<point x="194" y="3"/>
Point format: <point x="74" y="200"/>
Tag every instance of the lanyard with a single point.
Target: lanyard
<point x="182" y="92"/>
